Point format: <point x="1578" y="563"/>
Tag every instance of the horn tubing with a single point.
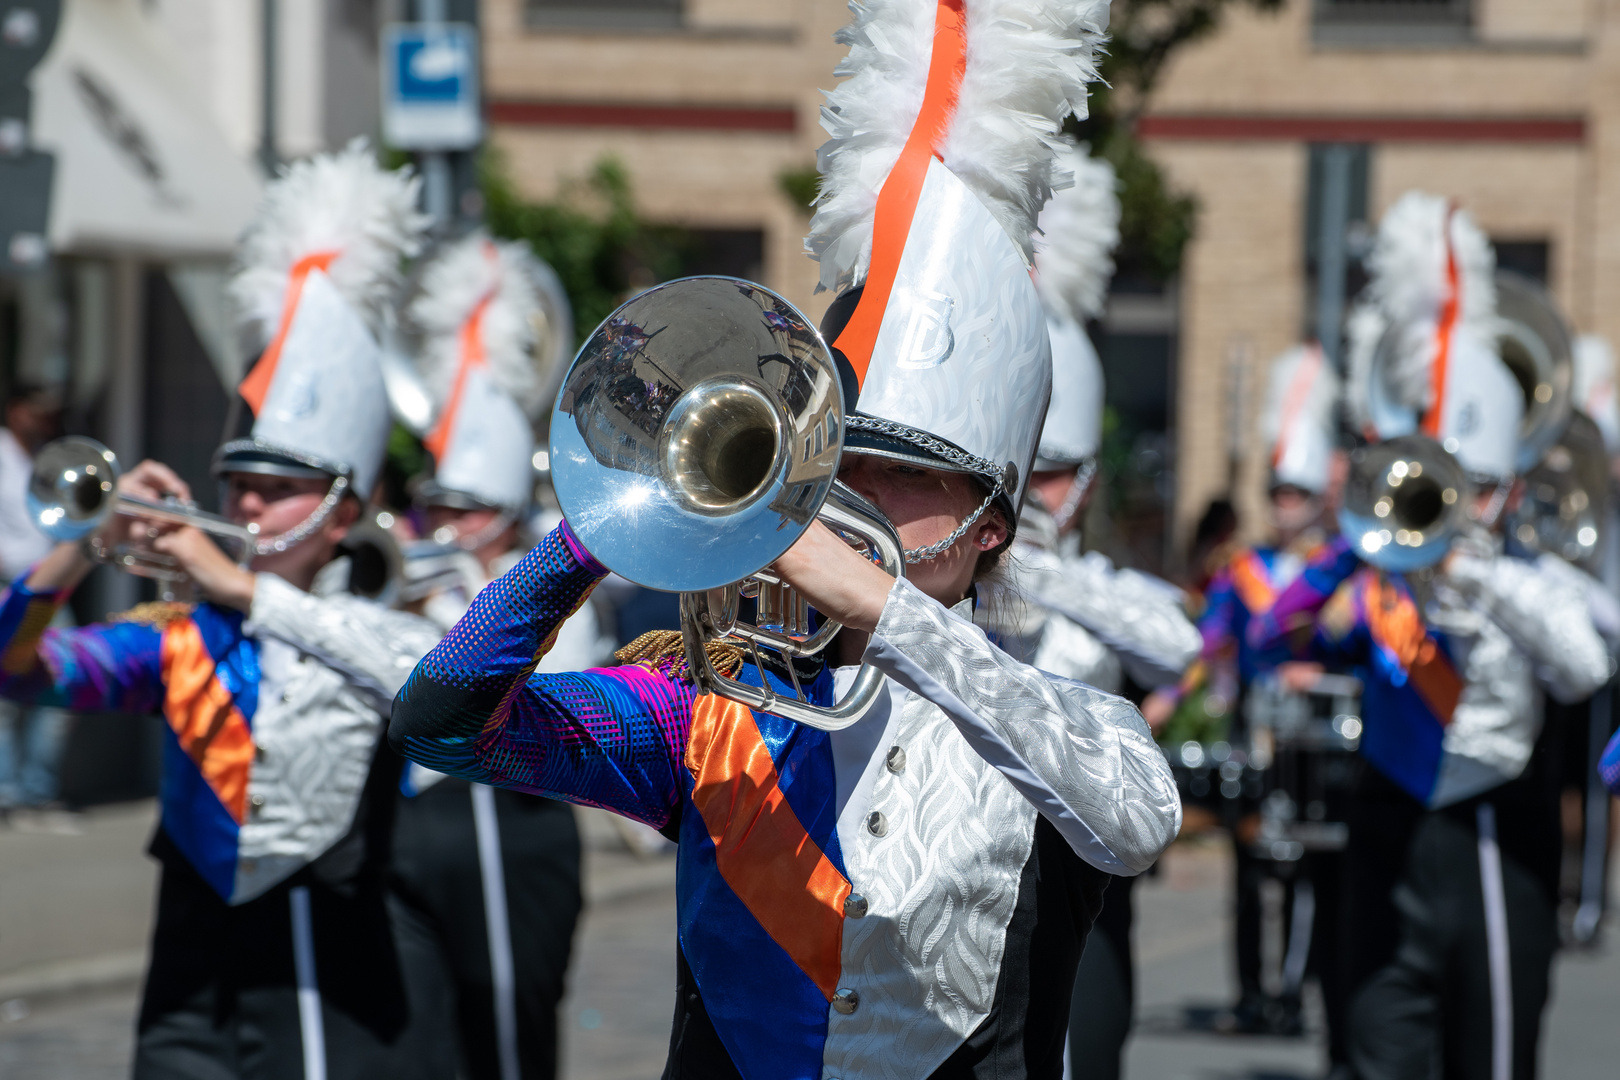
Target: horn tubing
<point x="897" y="199"/>
<point x="1448" y="326"/>
<point x="256" y="386"/>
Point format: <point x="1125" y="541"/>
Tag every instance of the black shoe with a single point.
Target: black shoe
<point x="1247" y="1017"/>
<point x="1284" y="1016"/>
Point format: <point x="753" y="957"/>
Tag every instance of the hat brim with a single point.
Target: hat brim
<point x="254" y="456"/>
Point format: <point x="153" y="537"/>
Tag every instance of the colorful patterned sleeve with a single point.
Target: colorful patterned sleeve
<point x="476" y="708"/>
<point x="1609" y="765"/>
<point x="1297" y="606"/>
<point x="113" y="667"/>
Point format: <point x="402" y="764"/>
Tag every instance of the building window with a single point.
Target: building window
<point x="1530" y="258"/>
<point x="603" y="14"/>
<point x="1414" y="22"/>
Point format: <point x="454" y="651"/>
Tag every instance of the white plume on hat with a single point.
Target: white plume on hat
<point x="1403" y="311"/>
<point x="513" y="323"/>
<point x="343" y="202"/>
<point x="1595" y="387"/>
<point x="1028" y="63"/>
<point x="1409" y="283"/>
<point x="1074" y="262"/>
<point x="1079" y="229"/>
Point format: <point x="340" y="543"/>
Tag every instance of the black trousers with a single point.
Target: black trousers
<point x="437" y="884"/>
<point x="221" y="1000"/>
<point x="1452" y="919"/>
<point x="1104" y="1001"/>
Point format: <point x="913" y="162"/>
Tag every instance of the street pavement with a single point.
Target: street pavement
<point x="74" y="910"/>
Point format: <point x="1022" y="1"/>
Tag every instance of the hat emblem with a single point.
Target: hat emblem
<point x="928" y="340"/>
<point x="299" y="399"/>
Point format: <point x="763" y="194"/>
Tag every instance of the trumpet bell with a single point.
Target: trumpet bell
<point x="696" y="434"/>
<point x="71" y="490"/>
<point x="1405" y="500"/>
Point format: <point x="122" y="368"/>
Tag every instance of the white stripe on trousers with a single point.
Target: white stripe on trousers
<point x="310" y="1025"/>
<point x="500" y="934"/>
<point x="1496" y="944"/>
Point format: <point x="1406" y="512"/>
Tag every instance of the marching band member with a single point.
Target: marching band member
<point x="1299" y="426"/>
<point x="491" y="878"/>
<point x="1075" y="615"/>
<point x="1452" y="864"/>
<point x="272" y="954"/>
<point x="908" y="896"/>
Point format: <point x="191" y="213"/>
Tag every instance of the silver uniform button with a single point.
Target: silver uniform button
<point x="854" y="906"/>
<point x="896" y="760"/>
<point x="877" y="824"/>
<point x="846" y="1000"/>
<point x="256" y="803"/>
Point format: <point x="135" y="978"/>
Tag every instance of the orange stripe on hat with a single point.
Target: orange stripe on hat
<point x="1448" y="326"/>
<point x="897" y="200"/>
<point x="471" y="356"/>
<point x="211" y="729"/>
<point x="256" y="387"/>
<point x="1299" y="388"/>
<point x="760" y="847"/>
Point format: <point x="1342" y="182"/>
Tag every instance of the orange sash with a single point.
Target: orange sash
<point x="1397" y="625"/>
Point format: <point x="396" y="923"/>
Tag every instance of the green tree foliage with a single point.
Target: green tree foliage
<point x="1155" y="220"/>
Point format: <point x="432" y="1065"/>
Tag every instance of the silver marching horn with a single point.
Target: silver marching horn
<point x="1405" y="501"/>
<point x="696" y="437"/>
<point x="1565" y="500"/>
<point x="73" y="491"/>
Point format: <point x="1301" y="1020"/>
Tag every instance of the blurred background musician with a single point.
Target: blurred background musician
<point x="489" y="879"/>
<point x="1452" y="864"/>
<point x="273" y="954"/>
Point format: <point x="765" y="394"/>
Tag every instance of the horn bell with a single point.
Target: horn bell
<point x="1405" y="501"/>
<point x="696" y="434"/>
<point x="1534" y="342"/>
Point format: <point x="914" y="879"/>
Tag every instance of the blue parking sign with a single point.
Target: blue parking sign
<point x="430" y="87"/>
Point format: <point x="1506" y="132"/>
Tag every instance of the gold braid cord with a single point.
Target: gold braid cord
<point x="156" y="613"/>
<point x="665" y="651"/>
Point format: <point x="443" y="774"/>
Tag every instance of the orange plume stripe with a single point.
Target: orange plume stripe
<point x="897" y="200"/>
<point x="472" y="355"/>
<point x="256" y="387"/>
<point x="1397" y="625"/>
<point x="205" y="719"/>
<point x="1448" y="326"/>
<point x="760" y="848"/>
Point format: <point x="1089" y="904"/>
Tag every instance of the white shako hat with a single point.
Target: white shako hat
<point x="496" y="332"/>
<point x="1594" y="388"/>
<point x="1299" y="422"/>
<point x="316" y="273"/>
<point x="1078" y="231"/>
<point x="944" y="139"/>
<point x="1431" y="305"/>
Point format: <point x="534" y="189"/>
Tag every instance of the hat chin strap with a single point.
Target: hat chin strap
<point x="934" y="551"/>
<point x="1078" y="487"/>
<point x="450" y="536"/>
<point x="274" y="545"/>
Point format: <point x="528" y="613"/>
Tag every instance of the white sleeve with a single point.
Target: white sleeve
<point x="1547" y="616"/>
<point x="375" y="647"/>
<point x="1085" y="759"/>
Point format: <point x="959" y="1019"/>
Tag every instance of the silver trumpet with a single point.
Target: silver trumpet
<point x="73" y="491"/>
<point x="1565" y="500"/>
<point x="1405" y="501"/>
<point x="397" y="574"/>
<point x="696" y="437"/>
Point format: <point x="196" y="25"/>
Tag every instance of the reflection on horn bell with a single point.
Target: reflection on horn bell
<point x="1565" y="499"/>
<point x="696" y="437"/>
<point x="1406" y="499"/>
<point x="1534" y="342"/>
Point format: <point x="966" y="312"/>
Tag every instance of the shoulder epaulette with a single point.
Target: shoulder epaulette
<point x="155" y="613"/>
<point x="665" y="651"/>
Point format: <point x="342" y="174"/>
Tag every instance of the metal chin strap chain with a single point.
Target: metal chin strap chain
<point x="450" y="536"/>
<point x="1499" y="497"/>
<point x="1077" y="491"/>
<point x="306" y="528"/>
<point x="943" y="450"/>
